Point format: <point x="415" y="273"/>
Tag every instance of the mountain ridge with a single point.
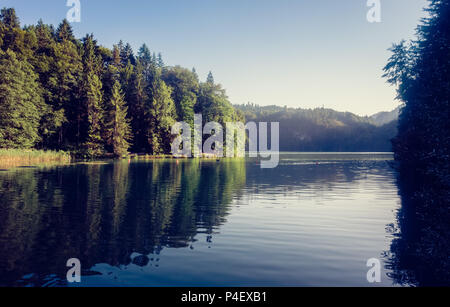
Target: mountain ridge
<point x="385" y="117"/>
<point x="322" y="129"/>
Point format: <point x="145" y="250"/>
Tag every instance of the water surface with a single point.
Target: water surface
<point x="313" y="221"/>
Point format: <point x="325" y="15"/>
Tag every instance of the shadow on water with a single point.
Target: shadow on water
<point x="420" y="253"/>
<point x="107" y="213"/>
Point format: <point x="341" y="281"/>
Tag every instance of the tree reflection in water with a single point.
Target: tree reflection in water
<point x="116" y="213"/>
<point x="420" y="254"/>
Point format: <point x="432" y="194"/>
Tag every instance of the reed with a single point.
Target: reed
<point x="18" y="157"/>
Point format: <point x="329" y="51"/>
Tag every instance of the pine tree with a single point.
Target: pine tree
<point x="9" y="18"/>
<point x="21" y="103"/>
<point x="162" y="117"/>
<point x="45" y="38"/>
<point x="145" y="56"/>
<point x="91" y="104"/>
<point x="116" y="61"/>
<point x="94" y="144"/>
<point x="160" y="62"/>
<point x="126" y="79"/>
<point x="111" y="73"/>
<point x="49" y="65"/>
<point x="65" y="32"/>
<point x="127" y="54"/>
<point x="64" y="84"/>
<point x="13" y="37"/>
<point x="118" y="130"/>
<point x="91" y="59"/>
<point x="154" y="60"/>
<point x="139" y="109"/>
<point x="210" y="79"/>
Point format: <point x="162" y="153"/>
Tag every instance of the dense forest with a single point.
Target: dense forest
<point x="62" y="93"/>
<point x="325" y="129"/>
<point x="421" y="71"/>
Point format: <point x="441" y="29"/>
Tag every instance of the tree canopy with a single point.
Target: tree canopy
<point x="421" y="71"/>
<point x="59" y="92"/>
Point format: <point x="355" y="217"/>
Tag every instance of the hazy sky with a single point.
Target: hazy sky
<point x="299" y="53"/>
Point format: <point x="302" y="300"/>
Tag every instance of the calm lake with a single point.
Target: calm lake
<point x="314" y="220"/>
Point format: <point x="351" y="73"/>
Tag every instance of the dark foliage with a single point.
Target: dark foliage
<point x="421" y="70"/>
<point x="79" y="96"/>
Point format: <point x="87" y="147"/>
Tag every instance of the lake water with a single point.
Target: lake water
<point x="314" y="220"/>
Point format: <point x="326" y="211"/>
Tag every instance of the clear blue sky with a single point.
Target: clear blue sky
<point x="299" y="53"/>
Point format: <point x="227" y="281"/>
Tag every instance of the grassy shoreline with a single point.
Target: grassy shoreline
<point x="10" y="158"/>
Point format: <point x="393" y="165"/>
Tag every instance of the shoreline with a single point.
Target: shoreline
<point x="12" y="158"/>
<point x="16" y="158"/>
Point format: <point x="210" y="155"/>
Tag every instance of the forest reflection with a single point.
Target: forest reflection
<point x="103" y="213"/>
<point x="420" y="253"/>
<point x="114" y="216"/>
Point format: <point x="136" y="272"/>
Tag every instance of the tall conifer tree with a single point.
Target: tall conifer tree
<point x="91" y="104"/>
<point x="118" y="130"/>
<point x="21" y="103"/>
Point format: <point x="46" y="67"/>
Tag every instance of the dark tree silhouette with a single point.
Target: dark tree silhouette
<point x="421" y="70"/>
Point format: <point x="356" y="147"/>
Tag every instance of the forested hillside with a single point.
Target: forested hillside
<point x="383" y="118"/>
<point x="62" y="93"/>
<point x="324" y="129"/>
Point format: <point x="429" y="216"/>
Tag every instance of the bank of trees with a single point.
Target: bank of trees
<point x="62" y="93"/>
<point x="421" y="71"/>
<point x="324" y="129"/>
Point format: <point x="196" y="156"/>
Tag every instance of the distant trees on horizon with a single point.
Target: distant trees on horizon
<point x="323" y="129"/>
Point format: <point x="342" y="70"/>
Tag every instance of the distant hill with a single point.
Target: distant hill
<point x="326" y="129"/>
<point x="384" y="118"/>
